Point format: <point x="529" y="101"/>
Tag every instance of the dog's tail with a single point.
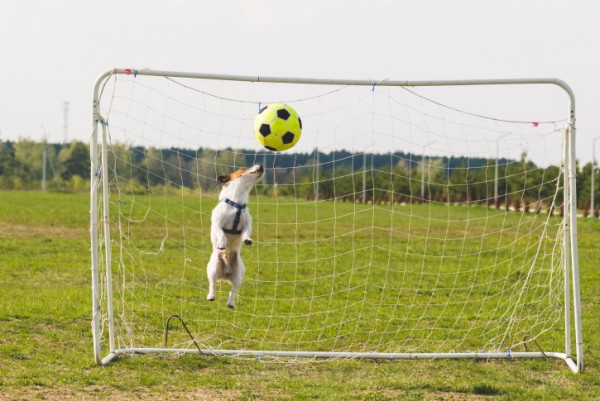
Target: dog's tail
<point x="229" y="260"/>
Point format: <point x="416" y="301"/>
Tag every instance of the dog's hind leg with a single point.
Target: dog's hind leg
<point x="236" y="278"/>
<point x="212" y="272"/>
<point x="235" y="284"/>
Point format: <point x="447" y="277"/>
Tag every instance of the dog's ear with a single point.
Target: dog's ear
<point x="222" y="179"/>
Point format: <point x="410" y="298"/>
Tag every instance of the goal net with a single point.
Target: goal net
<point x="411" y="220"/>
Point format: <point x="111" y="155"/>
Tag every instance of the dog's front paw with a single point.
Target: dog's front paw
<point x="248" y="241"/>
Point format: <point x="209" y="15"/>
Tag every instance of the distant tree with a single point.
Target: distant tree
<point x="584" y="185"/>
<point x="29" y="156"/>
<point x="8" y="162"/>
<point x="75" y="160"/>
<point x="401" y="179"/>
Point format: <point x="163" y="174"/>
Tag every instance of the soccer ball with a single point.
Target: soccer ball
<point x="277" y="127"/>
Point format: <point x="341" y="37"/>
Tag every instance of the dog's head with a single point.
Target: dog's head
<point x="243" y="178"/>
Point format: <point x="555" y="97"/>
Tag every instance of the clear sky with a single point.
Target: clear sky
<point x="52" y="51"/>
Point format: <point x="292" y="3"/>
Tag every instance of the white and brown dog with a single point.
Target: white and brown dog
<point x="231" y="225"/>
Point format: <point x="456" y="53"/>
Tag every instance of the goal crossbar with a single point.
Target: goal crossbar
<point x="99" y="178"/>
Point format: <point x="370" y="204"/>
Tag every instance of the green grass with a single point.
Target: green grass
<point x="341" y="277"/>
<point x="45" y="298"/>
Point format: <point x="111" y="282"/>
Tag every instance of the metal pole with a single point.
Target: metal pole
<point x="573" y="241"/>
<point x="343" y="355"/>
<point x="94" y="182"/>
<point x="66" y="121"/>
<point x="44" y="157"/>
<point x="566" y="247"/>
<point x="107" y="247"/>
<point x="343" y="82"/>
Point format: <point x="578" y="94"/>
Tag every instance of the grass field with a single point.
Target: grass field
<point x="45" y="313"/>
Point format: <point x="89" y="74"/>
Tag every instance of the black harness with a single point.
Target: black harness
<point x="236" y="221"/>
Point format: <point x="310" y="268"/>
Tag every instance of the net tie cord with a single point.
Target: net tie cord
<point x="236" y="221"/>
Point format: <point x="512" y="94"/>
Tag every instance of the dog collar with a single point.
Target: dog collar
<point x="236" y="221"/>
<point x="234" y="204"/>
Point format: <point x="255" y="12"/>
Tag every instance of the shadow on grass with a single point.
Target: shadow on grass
<point x="485" y="389"/>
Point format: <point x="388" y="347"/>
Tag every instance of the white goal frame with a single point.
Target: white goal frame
<point x="99" y="176"/>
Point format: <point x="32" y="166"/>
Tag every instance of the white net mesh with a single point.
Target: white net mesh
<point x="397" y="224"/>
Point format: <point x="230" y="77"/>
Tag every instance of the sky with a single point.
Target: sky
<point x="52" y="51"/>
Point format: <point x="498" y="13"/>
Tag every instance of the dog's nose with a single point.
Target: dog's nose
<point x="260" y="169"/>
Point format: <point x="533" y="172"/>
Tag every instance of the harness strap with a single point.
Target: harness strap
<point x="236" y="221"/>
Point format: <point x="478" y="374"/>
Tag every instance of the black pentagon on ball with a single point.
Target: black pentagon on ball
<point x="300" y="121"/>
<point x="283" y="114"/>
<point x="265" y="129"/>
<point x="288" y="137"/>
<point x="270" y="148"/>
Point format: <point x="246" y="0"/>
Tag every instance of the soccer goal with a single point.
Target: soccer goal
<point x="412" y="220"/>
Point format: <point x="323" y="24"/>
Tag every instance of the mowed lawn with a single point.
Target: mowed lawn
<point x="45" y="304"/>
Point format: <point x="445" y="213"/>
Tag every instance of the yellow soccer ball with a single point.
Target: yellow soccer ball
<point x="277" y="127"/>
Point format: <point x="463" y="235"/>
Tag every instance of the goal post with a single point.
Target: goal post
<point x="388" y="234"/>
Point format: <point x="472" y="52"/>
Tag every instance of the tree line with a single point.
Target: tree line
<point x="343" y="175"/>
<point x="22" y="165"/>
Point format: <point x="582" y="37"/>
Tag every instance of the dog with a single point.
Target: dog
<point x="231" y="226"/>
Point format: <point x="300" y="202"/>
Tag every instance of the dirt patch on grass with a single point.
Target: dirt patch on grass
<point x="455" y="397"/>
<point x="24" y="231"/>
<point x="115" y="394"/>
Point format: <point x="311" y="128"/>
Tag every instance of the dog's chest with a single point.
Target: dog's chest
<point x="231" y="218"/>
